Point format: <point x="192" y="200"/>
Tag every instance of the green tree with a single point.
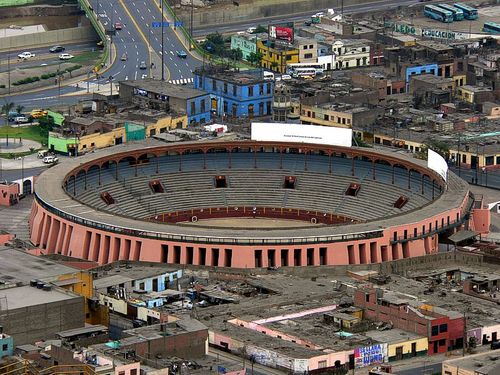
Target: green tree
<point x="6" y="108"/>
<point x="235" y="54"/>
<point x="19" y="108"/>
<point x="260" y="29"/>
<point x="255" y="58"/>
<point x="214" y="44"/>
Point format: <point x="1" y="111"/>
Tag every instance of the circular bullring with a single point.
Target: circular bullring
<point x="334" y="205"/>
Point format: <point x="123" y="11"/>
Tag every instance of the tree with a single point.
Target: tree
<point x="259" y="29"/>
<point x="6" y="108"/>
<point x="20" y="108"/>
<point x="214" y="44"/>
<point x="255" y="58"/>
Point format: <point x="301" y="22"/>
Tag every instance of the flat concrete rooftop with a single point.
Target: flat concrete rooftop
<point x="19" y="266"/>
<point x="26" y="296"/>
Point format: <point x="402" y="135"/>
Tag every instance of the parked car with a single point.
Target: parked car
<point x="182" y="54"/>
<point x="12" y="115"/>
<point x="38" y="113"/>
<point x="43" y="153"/>
<point x="21" y="120"/>
<point x="286" y="77"/>
<point x="50" y="159"/>
<point x="118" y="26"/>
<point x="124" y="57"/>
<point x="56" y="49"/>
<point x="26" y="55"/>
<point x="65" y="56"/>
<point x="495" y="345"/>
<point x="142" y="65"/>
<point x="251" y="30"/>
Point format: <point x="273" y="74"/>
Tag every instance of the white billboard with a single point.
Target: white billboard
<point x="437" y="163"/>
<point x="278" y="132"/>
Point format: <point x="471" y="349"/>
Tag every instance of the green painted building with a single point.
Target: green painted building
<point x="63" y="145"/>
<point x="247" y="43"/>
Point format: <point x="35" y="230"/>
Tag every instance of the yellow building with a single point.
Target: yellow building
<point x="460" y="80"/>
<point x="100" y="140"/>
<point x="165" y="124"/>
<point x="401" y="344"/>
<point x="473" y="94"/>
<point x="276" y="56"/>
<point x="325" y="115"/>
<point x="82" y="283"/>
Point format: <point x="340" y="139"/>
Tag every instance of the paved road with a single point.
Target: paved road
<point x="490" y="179"/>
<point x="422" y="370"/>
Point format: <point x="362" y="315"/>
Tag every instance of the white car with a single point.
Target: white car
<point x="251" y="30"/>
<point x="50" y="159"/>
<point x="65" y="56"/>
<point x="286" y="77"/>
<point x="21" y="120"/>
<point x="26" y="55"/>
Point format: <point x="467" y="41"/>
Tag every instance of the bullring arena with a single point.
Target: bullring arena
<point x="245" y="204"/>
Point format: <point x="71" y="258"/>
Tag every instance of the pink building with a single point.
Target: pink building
<point x="146" y="201"/>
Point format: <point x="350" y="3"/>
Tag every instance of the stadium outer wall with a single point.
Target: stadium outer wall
<point x="55" y="233"/>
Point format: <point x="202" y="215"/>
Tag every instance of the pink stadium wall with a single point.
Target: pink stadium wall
<point x="56" y="235"/>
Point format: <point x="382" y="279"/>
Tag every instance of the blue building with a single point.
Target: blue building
<point x="164" y="96"/>
<point x="418" y="70"/>
<point x="236" y="94"/>
<point x="6" y="345"/>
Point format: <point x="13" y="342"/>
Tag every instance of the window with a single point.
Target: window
<point x="5" y="347"/>
<point x="225" y="87"/>
<point x="261" y="89"/>
<point x="121" y="373"/>
<point x="304" y="47"/>
<point x="250" y="90"/>
<point x="308" y="56"/>
<point x="311" y="46"/>
<point x="435" y="330"/>
<point x="443" y="328"/>
<point x="322" y="364"/>
<point x="133" y="371"/>
<point x="268" y="88"/>
<point x="202" y="105"/>
<point x="325" y="117"/>
<point x="193" y="108"/>
<point x="214" y="85"/>
<point x="288" y="57"/>
<point x="234" y="90"/>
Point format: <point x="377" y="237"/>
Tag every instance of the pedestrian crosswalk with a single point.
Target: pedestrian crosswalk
<point x="182" y="81"/>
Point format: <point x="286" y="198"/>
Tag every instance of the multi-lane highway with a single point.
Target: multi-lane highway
<point x="142" y="42"/>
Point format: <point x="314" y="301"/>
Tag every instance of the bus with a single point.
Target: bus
<point x="318" y="68"/>
<point x="303" y="72"/>
<point x="469" y="12"/>
<point x="458" y="14"/>
<point x="439" y="14"/>
<point x="491" y="27"/>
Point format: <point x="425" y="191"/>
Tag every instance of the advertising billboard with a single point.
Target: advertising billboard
<point x="280" y="32"/>
<point x="370" y="355"/>
<point x="278" y="132"/>
<point x="437" y="163"/>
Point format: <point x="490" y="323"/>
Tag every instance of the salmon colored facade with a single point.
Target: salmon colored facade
<point x="55" y="230"/>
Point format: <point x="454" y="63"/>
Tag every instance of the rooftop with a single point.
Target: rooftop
<point x="19" y="266"/>
<point x="166" y="329"/>
<point x="165" y="88"/>
<point x="392" y="336"/>
<point x="232" y="76"/>
<point x="481" y="364"/>
<point x="26" y="296"/>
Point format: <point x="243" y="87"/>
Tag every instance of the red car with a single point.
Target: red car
<point x="118" y="26"/>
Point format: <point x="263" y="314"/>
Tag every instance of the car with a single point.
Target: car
<point x="124" y="57"/>
<point x="495" y="345"/>
<point x="307" y="23"/>
<point x="12" y="115"/>
<point x="38" y="113"/>
<point x="50" y="159"/>
<point x="286" y="77"/>
<point x="21" y="120"/>
<point x="65" y="56"/>
<point x="26" y="55"/>
<point x="43" y="153"/>
<point x="142" y="65"/>
<point x="56" y="49"/>
<point x="182" y="54"/>
<point x="251" y="30"/>
<point x="118" y="26"/>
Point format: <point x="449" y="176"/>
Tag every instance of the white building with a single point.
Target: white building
<point x="351" y="53"/>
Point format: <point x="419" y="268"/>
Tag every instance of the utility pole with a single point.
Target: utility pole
<point x="191" y="23"/>
<point x="162" y="48"/>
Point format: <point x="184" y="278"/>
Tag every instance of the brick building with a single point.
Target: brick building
<point x="444" y="329"/>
